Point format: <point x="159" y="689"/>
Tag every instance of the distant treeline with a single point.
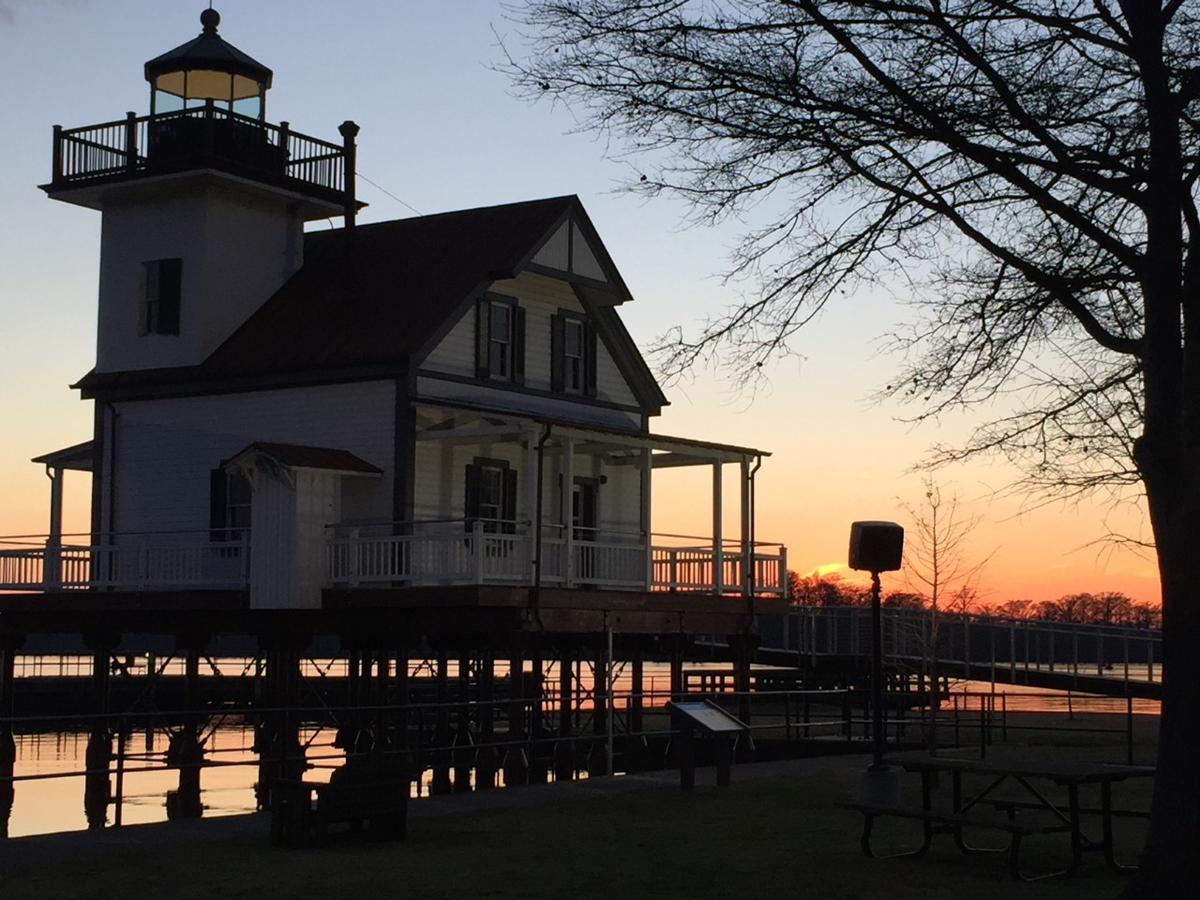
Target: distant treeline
<point x="1109" y="608"/>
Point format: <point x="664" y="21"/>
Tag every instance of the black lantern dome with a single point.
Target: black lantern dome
<point x="208" y="68"/>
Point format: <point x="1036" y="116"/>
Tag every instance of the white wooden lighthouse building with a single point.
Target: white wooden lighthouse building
<point x="413" y="405"/>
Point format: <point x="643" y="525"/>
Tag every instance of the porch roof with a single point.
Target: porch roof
<point x="77" y="457"/>
<point x="488" y="425"/>
<point x="295" y="456"/>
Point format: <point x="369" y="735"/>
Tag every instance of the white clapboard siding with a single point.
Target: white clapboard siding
<point x="166" y="448"/>
<point x="441" y="483"/>
<point x="542" y="297"/>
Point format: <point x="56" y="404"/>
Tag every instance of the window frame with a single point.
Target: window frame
<point x="159" y="310"/>
<point x="561" y="380"/>
<point x="512" y="343"/>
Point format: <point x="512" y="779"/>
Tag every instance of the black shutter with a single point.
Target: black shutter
<point x="170" y="291"/>
<point x="482" y="369"/>
<point x="509" y="514"/>
<point x="556" y="353"/>
<point x="471" y="496"/>
<point x="518" y="344"/>
<point x="218" y="494"/>
<point x="589" y="360"/>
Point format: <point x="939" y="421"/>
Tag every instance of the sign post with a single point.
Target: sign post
<point x="877" y="547"/>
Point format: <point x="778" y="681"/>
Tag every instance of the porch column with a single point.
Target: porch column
<point x="568" y="492"/>
<point x="532" y="474"/>
<point x="647" y="468"/>
<point x="747" y="526"/>
<point x="52" y="561"/>
<point x="718" y="560"/>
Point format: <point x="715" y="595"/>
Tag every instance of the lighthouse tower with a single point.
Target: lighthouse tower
<point x="203" y="203"/>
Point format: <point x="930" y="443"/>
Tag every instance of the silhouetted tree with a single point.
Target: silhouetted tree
<point x="1016" y="609"/>
<point x="1032" y="164"/>
<point x="825" y="590"/>
<point x="937" y="564"/>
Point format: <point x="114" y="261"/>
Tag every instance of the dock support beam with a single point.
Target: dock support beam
<point x="516" y="763"/>
<point x="97" y="790"/>
<point x="464" y="749"/>
<point x="636" y="747"/>
<point x="564" y="750"/>
<point x="9" y="644"/>
<point x="485" y="766"/>
<point x="441" y="756"/>
<point x="598" y="760"/>
<point x="184" y="750"/>
<point x="537" y="761"/>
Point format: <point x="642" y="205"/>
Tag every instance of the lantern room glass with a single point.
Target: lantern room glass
<point x="191" y="88"/>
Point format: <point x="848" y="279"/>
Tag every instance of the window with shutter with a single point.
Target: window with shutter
<point x="162" y="285"/>
<point x="573" y="352"/>
<point x="491" y="495"/>
<point x="500" y="339"/>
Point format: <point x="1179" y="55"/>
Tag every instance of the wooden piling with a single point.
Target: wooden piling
<point x="598" y="761"/>
<point x="564" y="750"/>
<point x="464" y="746"/>
<point x="441" y="768"/>
<point x="516" y="762"/>
<point x="8" y="748"/>
<point x="485" y="759"/>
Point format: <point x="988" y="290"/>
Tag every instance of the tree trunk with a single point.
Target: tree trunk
<point x="1171" y="862"/>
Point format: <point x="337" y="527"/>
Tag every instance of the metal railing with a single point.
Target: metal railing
<point x="125" y="561"/>
<point x="199" y="135"/>
<point x="972" y="645"/>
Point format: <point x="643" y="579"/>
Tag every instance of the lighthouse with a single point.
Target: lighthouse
<point x="203" y="203"/>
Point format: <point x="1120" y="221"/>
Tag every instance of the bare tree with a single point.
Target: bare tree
<point x="936" y="563"/>
<point x="1030" y="166"/>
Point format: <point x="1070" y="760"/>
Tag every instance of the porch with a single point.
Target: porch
<point x="406" y="554"/>
<point x="492" y="499"/>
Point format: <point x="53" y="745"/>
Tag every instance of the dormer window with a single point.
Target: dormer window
<point x="162" y="281"/>
<point x="500" y="339"/>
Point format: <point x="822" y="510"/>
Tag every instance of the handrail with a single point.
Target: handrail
<point x="139" y="144"/>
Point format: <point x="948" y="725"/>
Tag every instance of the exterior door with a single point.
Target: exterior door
<point x="585" y="526"/>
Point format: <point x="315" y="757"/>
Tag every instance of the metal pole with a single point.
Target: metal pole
<point x="608" y="700"/>
<point x="876" y="674"/>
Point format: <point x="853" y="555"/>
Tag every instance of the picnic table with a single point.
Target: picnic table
<point x="1025" y="811"/>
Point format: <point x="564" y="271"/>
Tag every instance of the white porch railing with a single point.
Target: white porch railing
<point x="492" y="552"/>
<point x="147" y="561"/>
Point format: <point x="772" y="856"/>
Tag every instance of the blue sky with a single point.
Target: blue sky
<point x="441" y="130"/>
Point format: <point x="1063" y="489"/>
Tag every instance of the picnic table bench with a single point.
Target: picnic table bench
<point x="1030" y="813"/>
<point x="304" y="812"/>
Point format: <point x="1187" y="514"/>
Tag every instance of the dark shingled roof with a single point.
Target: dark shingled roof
<point x="300" y="457"/>
<point x="408" y="276"/>
<point x="208" y="51"/>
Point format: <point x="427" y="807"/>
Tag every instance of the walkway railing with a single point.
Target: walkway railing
<point x="489" y="551"/>
<point x="142" y="561"/>
<point x="971" y="644"/>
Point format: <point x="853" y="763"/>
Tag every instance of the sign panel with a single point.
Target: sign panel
<point x="708" y="716"/>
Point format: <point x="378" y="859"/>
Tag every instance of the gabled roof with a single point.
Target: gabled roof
<point x="296" y="456"/>
<point x="407" y="276"/>
<point x="381" y="299"/>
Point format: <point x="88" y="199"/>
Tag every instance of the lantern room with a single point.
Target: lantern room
<point x="208" y="69"/>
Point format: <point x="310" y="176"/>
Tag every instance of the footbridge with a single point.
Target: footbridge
<point x="1103" y="659"/>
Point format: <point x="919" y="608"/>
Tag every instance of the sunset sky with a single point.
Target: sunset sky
<point x="441" y="131"/>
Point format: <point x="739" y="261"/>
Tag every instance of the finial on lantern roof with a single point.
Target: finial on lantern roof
<point x="210" y="19"/>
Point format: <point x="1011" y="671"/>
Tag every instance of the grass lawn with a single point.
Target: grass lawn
<point x="775" y="836"/>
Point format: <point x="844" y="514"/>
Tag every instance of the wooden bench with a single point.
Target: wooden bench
<point x="304" y="812"/>
<point x="953" y="823"/>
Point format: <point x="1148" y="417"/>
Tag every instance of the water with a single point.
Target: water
<point x="56" y="804"/>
